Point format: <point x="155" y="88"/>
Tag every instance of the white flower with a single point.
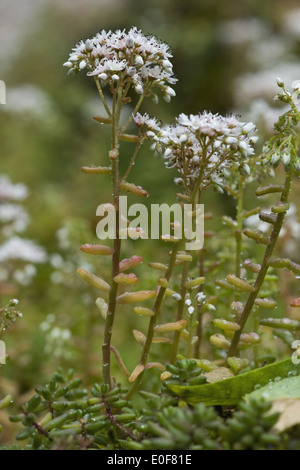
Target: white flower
<point x="22" y="249"/>
<point x="10" y="191"/>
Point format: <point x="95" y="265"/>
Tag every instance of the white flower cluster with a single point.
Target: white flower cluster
<point x="17" y="248"/>
<point x="10" y="191"/>
<point x="130" y="58"/>
<point x="205" y="142"/>
<point x="13" y="217"/>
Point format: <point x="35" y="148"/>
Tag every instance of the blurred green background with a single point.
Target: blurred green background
<point x="227" y="56"/>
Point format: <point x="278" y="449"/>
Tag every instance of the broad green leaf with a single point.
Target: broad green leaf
<point x="230" y="391"/>
<point x="285" y="388"/>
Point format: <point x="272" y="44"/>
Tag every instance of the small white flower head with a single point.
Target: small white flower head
<point x="191" y="310"/>
<point x="111" y="53"/>
<point x="206" y="143"/>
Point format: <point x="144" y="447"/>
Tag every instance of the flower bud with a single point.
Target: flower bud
<point x="89" y="45"/>
<point x="279" y="82"/>
<point x="129" y="42"/>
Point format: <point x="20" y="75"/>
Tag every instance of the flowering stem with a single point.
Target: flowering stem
<point x="238" y="232"/>
<point x="153" y="320"/>
<point x="264" y="267"/>
<point x="180" y="309"/>
<point x="106" y="347"/>
<point x="199" y="331"/>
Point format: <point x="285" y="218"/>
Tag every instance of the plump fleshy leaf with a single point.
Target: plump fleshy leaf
<point x="233" y="389"/>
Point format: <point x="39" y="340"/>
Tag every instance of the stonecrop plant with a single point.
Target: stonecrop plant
<point x="202" y="347"/>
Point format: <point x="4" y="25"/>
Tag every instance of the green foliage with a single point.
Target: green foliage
<point x="250" y="427"/>
<point x="64" y="415"/>
<point x="185" y="371"/>
<point x="230" y="391"/>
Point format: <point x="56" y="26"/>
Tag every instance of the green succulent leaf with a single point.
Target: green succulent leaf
<point x="232" y="390"/>
<point x="275" y="389"/>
